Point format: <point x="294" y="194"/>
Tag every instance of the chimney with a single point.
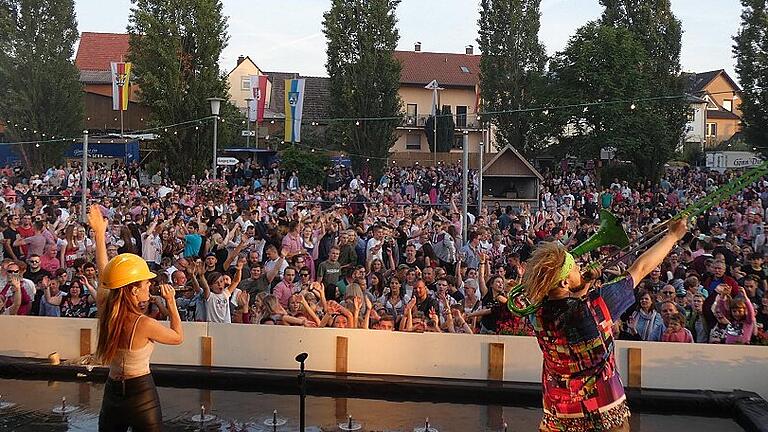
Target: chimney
<point x="470" y="50"/>
<point x="417" y="47"/>
<point x="240" y="59"/>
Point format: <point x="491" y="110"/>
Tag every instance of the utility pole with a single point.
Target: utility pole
<point x="84" y="180"/>
<point x="480" y="171"/>
<point x="464" y="194"/>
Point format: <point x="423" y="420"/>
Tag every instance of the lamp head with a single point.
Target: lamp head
<point x="302" y="357"/>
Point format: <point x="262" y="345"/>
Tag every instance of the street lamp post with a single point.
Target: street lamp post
<point x="215" y="108"/>
<point x="248" y="123"/>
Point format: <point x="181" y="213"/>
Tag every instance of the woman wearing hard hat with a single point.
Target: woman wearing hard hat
<point x="127" y="337"/>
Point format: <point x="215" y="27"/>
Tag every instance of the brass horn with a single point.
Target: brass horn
<point x="610" y="233"/>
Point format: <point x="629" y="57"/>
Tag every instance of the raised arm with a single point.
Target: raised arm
<point x="276" y="270"/>
<point x="481" y="273"/>
<point x="46" y="284"/>
<point x="98" y="225"/>
<point x="656" y="254"/>
<point x="162" y="334"/>
<point x="238" y="275"/>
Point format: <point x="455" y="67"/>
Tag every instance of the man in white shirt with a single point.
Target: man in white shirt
<point x="373" y="248"/>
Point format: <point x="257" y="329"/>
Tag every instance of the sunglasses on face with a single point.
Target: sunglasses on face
<point x="13" y="271"/>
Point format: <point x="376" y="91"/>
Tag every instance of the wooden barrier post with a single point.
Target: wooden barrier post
<point x="206" y="347"/>
<point x="85" y="342"/>
<point x="496" y="362"/>
<point x="342" y="345"/>
<point x="634" y="368"/>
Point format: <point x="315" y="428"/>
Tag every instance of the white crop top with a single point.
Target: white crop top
<point x="130" y="363"/>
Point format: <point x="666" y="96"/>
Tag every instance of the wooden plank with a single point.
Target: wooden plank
<point x="634" y="367"/>
<point x="496" y="362"/>
<point x="85" y="342"/>
<point x="206" y="355"/>
<point x="342" y="345"/>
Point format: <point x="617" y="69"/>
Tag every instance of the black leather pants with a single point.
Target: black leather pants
<point x="131" y="403"/>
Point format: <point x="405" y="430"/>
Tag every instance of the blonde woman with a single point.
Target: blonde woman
<point x="126" y="337"/>
<point x="582" y="388"/>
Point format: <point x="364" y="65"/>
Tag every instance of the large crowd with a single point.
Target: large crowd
<point x="261" y="248"/>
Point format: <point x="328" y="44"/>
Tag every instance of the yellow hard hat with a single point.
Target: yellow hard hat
<point x="123" y="270"/>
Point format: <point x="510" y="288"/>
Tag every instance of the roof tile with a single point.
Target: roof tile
<point x="423" y="67"/>
<point x="97" y="50"/>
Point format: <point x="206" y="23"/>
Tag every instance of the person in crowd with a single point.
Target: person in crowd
<point x="646" y="321"/>
<point x="676" y="331"/>
<point x="126" y="338"/>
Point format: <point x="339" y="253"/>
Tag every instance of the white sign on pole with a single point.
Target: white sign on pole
<point x="227" y="161"/>
<point x="247" y="133"/>
<point x="607" y="153"/>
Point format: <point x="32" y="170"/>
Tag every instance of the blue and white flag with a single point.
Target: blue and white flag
<point x="294" y="104"/>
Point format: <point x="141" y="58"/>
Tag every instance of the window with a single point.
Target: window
<point x="711" y="129"/>
<point x="465" y="69"/>
<point x="245" y="83"/>
<point x="458" y="141"/>
<point x="461" y="117"/>
<point x="411" y="113"/>
<point x="413" y="141"/>
<point x="728" y="105"/>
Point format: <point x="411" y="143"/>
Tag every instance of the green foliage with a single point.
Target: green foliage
<point x="608" y="63"/>
<point x="364" y="75"/>
<point x="751" y="51"/>
<point x="621" y="171"/>
<point x="653" y="24"/>
<point x="446" y="129"/>
<point x="40" y="88"/>
<point x="511" y="71"/>
<point x="310" y="165"/>
<point x="175" y="47"/>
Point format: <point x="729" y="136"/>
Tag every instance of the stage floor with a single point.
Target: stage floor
<point x="246" y="411"/>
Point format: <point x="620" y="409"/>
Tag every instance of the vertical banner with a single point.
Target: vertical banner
<point x="259" y="96"/>
<point x="294" y="103"/>
<point x="121" y="85"/>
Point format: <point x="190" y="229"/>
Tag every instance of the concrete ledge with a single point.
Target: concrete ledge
<point x="746" y="408"/>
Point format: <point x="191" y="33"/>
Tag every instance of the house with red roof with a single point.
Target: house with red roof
<point x="458" y="77"/>
<point x="95" y="53"/>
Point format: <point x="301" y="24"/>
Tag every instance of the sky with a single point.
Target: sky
<point x="286" y="36"/>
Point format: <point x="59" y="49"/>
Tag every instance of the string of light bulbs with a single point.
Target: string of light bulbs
<point x="631" y="102"/>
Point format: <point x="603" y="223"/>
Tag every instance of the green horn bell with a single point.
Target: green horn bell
<point x="609" y="233"/>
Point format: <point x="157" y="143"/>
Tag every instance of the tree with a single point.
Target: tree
<point x="364" y="77"/>
<point x="751" y="51"/>
<point x="511" y="70"/>
<point x="40" y="90"/>
<point x="660" y="33"/>
<point x="175" y="47"/>
<point x="446" y="128"/>
<point x="309" y="164"/>
<point x="604" y="63"/>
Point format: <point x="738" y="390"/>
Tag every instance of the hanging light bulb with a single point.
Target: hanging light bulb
<point x="165" y="130"/>
<point x="37" y="145"/>
<point x="545" y="112"/>
<point x="632" y="107"/>
<point x="357" y="123"/>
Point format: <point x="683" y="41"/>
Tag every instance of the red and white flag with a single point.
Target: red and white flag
<point x="258" y="98"/>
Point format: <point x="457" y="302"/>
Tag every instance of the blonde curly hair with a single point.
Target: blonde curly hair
<point x="543" y="271"/>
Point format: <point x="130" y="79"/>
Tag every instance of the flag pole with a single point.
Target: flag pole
<point x="437" y="104"/>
